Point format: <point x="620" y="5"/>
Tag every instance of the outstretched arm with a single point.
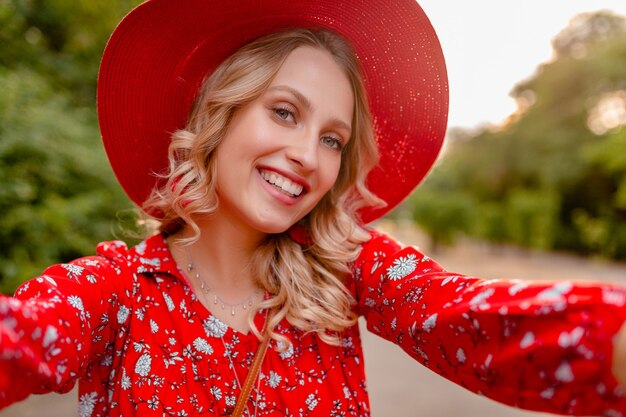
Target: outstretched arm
<point x="539" y="346"/>
<point x="55" y="325"/>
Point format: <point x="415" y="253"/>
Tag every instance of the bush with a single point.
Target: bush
<point x="442" y="215"/>
<point x="58" y="195"/>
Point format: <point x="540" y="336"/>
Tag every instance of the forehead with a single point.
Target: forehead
<point x="310" y="61"/>
<point x="315" y="74"/>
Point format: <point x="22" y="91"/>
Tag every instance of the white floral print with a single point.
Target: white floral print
<point x="217" y="393"/>
<point x="125" y="383"/>
<point x="174" y="361"/>
<point x="202" y="346"/>
<point x="169" y="302"/>
<point x="73" y="271"/>
<point x="76" y="302"/>
<point x="122" y="314"/>
<point x="430" y="323"/>
<point x="214" y="327"/>
<point x="460" y="355"/>
<point x="402" y="267"/>
<point x="86" y="404"/>
<point x="50" y="336"/>
<point x="480" y="301"/>
<point x="614" y="297"/>
<point x="311" y="402"/>
<point x="527" y="340"/>
<point x="143" y="365"/>
<point x="564" y="373"/>
<point x="274" y="379"/>
<point x="155" y="262"/>
<point x="379" y="259"/>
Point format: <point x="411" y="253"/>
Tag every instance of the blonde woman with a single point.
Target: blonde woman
<point x="308" y="120"/>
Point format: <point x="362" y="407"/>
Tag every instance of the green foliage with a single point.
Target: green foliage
<point x="62" y="40"/>
<point x="554" y="176"/>
<point x="58" y="195"/>
<point x="531" y="218"/>
<point x="442" y="215"/>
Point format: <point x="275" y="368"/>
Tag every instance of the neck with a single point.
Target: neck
<point x="221" y="255"/>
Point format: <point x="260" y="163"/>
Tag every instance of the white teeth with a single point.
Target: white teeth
<point x="281" y="182"/>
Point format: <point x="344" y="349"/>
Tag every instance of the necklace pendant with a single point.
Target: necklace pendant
<point x="189" y="267"/>
<point x="232" y="311"/>
<point x="215" y="299"/>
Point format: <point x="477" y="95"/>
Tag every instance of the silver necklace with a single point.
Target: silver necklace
<point x="217" y="300"/>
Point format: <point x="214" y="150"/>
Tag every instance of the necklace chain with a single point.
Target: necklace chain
<point x="217" y="300"/>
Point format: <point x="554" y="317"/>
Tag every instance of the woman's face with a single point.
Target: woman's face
<point x="282" y="152"/>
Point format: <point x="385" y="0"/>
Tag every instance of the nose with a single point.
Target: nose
<point x="303" y="152"/>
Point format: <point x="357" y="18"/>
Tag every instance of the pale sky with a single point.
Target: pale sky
<point x="490" y="45"/>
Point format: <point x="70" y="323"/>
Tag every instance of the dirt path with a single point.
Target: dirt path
<point x="400" y="387"/>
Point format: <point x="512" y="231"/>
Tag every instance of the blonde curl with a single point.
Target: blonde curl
<point x="306" y="282"/>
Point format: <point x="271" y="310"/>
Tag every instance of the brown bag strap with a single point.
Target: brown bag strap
<point x="255" y="368"/>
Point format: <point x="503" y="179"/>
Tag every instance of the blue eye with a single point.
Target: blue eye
<point x="283" y="114"/>
<point x="332" y="142"/>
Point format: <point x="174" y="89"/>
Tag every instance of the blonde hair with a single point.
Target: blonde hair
<point x="305" y="282"/>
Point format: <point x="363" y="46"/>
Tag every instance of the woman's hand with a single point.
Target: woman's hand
<point x="619" y="356"/>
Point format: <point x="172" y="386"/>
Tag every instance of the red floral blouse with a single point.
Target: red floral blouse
<point x="127" y="326"/>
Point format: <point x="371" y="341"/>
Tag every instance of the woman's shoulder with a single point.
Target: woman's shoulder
<point x="115" y="258"/>
<point x="114" y="264"/>
<point x="380" y="241"/>
<point x="383" y="252"/>
<point x="120" y="250"/>
<point x="151" y="255"/>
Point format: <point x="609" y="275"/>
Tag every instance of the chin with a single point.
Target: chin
<point x="273" y="228"/>
<point x="275" y="223"/>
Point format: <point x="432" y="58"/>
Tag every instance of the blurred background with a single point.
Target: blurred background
<point x="531" y="182"/>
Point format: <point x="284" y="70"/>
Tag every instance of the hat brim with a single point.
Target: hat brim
<point x="158" y="56"/>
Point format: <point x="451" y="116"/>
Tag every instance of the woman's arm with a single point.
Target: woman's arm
<point x="539" y="346"/>
<point x="56" y="324"/>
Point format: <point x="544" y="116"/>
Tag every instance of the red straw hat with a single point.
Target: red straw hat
<point x="159" y="54"/>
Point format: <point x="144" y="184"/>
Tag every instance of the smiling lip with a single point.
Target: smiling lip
<point x="276" y="191"/>
<point x="290" y="176"/>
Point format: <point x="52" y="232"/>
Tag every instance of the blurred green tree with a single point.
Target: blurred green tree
<point x="58" y="195"/>
<point x="554" y="175"/>
<point x="443" y="216"/>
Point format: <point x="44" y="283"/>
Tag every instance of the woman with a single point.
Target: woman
<point x="261" y="199"/>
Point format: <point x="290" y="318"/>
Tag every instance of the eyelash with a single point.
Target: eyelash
<point x="337" y="143"/>
<point x="283" y="109"/>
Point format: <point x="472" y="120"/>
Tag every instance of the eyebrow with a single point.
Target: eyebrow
<point x="306" y="103"/>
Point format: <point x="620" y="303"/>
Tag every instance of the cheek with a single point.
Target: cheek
<point x="249" y="133"/>
<point x="330" y="176"/>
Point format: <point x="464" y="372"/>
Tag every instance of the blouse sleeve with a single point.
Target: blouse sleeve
<point x="539" y="346"/>
<point x="55" y="325"/>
